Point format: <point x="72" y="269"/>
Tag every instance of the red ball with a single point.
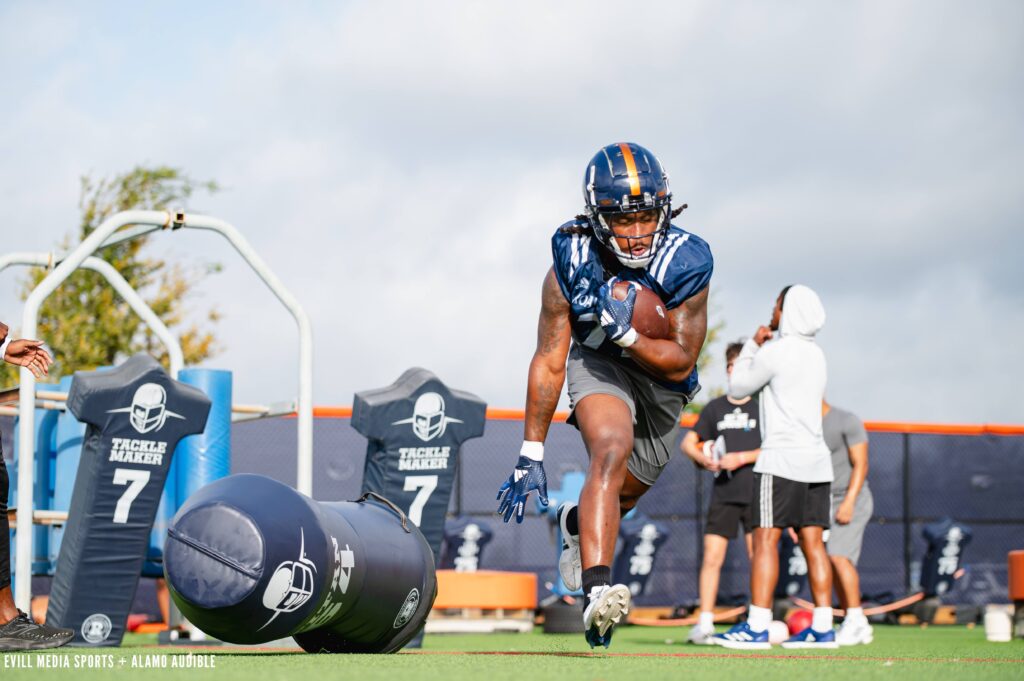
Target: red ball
<point x="650" y="318"/>
<point x="798" y="621"/>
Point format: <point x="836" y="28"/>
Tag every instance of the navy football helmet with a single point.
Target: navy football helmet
<point x="626" y="178"/>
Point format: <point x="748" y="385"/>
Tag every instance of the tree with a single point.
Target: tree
<point x="84" y="321"/>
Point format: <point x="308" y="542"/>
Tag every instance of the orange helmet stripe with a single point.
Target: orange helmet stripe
<point x="634" y="179"/>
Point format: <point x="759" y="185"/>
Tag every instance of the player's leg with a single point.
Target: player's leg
<point x="629" y="495"/>
<point x="747" y="523"/>
<point x="17" y="630"/>
<point x="819" y="569"/>
<point x="715" y="547"/>
<point x="846" y="581"/>
<point x="764" y="569"/>
<point x="843" y="547"/>
<point x="722" y="525"/>
<point x="569" y="561"/>
<point x="764" y="573"/>
<point x="606" y="424"/>
<point x="817" y="517"/>
<point x="855" y="628"/>
<point x="771" y="511"/>
<point x="816" y="510"/>
<point x="7" y="609"/>
<point x="819" y="574"/>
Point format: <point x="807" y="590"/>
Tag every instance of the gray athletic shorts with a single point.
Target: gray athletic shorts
<point x="655" y="408"/>
<point x="846" y="540"/>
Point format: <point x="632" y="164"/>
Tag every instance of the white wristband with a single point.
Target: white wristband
<point x="628" y="339"/>
<point x="532" y="450"/>
<point x="3" y="346"/>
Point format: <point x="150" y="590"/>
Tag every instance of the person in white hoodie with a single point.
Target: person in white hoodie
<point x="784" y="366"/>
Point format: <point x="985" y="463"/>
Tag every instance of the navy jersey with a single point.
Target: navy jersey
<point x="680" y="269"/>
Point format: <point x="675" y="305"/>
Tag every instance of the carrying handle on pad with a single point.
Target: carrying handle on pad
<point x="389" y="504"/>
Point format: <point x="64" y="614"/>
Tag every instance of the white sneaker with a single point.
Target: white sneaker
<point x="855" y="632"/>
<point x="700" y="636"/>
<point x="609" y="605"/>
<point x="569" y="564"/>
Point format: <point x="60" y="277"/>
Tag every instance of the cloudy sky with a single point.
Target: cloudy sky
<point x="401" y="166"/>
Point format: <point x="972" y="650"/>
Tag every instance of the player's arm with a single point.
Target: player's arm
<point x="752" y="368"/>
<point x="547" y="368"/>
<point x="858" y="474"/>
<point x="675" y="359"/>
<point x="24" y="353"/>
<point x="693" y="447"/>
<point x="544" y="386"/>
<point x="734" y="460"/>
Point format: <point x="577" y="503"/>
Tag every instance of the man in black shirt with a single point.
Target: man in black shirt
<point x="17" y="630"/>
<point x="736" y="422"/>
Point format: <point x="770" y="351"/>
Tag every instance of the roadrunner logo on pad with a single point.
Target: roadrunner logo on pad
<point x="148" y="411"/>
<point x="96" y="628"/>
<point x="292" y="584"/>
<point x="428" y="419"/>
<point x="408" y="609"/>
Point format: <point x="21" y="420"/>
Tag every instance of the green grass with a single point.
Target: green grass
<point x="637" y="654"/>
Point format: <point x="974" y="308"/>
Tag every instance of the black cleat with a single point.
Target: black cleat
<point x="22" y="633"/>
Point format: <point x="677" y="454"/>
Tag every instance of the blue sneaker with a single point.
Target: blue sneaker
<point x="809" y="638"/>
<point x="742" y="637"/>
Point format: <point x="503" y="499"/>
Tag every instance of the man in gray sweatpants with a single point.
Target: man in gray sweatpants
<point x="852" y="506"/>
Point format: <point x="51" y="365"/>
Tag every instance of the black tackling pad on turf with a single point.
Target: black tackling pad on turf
<point x="250" y="560"/>
<point x="136" y="414"/>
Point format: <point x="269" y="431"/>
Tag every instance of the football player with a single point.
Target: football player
<point x="626" y="390"/>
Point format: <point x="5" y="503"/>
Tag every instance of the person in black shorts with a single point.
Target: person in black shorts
<point x="787" y="370"/>
<point x="17" y="630"/>
<point x="736" y="421"/>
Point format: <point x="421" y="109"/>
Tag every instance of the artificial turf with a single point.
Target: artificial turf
<point x="637" y="654"/>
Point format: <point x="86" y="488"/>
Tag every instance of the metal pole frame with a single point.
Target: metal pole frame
<point x="175" y="356"/>
<point x="145" y="222"/>
<point x="908" y="520"/>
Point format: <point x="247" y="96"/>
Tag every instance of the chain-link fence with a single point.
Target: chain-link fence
<point x="977" y="480"/>
<point x="916" y="478"/>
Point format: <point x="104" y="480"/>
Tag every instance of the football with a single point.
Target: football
<point x="650" y="318"/>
